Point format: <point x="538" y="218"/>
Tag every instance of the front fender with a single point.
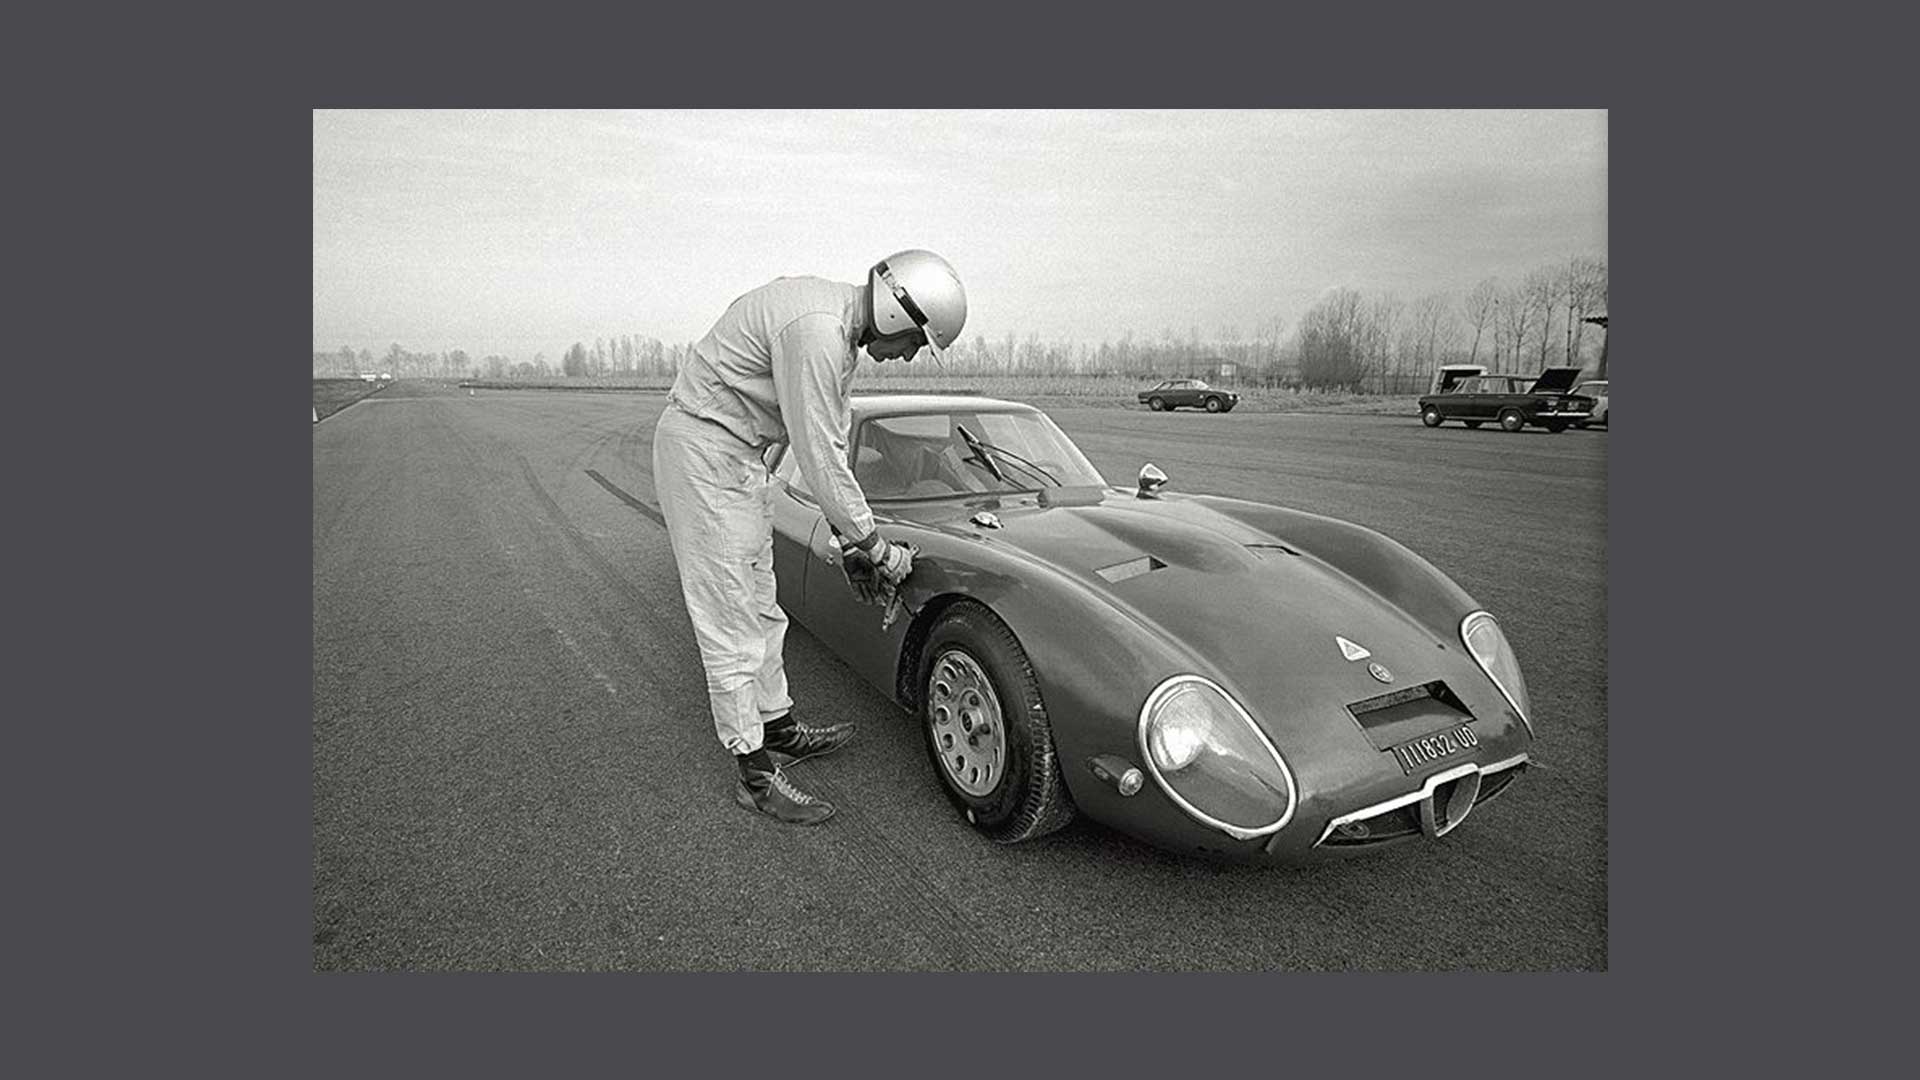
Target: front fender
<point x="1386" y="567"/>
<point x="1096" y="662"/>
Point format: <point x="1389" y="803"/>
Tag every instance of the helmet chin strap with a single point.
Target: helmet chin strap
<point x="866" y="332"/>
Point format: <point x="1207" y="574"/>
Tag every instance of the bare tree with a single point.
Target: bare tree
<point x="1430" y="330"/>
<point x="1540" y="290"/>
<point x="1584" y="284"/>
<point x="1379" y="326"/>
<point x="1513" y="324"/>
<point x="1479" y="306"/>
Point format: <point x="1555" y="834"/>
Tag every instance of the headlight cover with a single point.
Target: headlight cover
<point x="1208" y="755"/>
<point x="1489" y="648"/>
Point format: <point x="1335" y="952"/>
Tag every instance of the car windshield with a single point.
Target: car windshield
<point x="927" y="456"/>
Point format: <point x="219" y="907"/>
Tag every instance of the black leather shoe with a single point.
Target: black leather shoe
<point x="768" y="791"/>
<point x="789" y="741"/>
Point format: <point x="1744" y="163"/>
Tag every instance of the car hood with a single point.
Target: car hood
<point x="1259" y="611"/>
<point x="1556" y="380"/>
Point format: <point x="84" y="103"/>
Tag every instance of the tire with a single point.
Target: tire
<point x="1430" y="416"/>
<point x="1213" y="404"/>
<point x="972" y="669"/>
<point x="1581" y="424"/>
<point x="1473" y="423"/>
<point x="1512" y="420"/>
<point x="1156" y="404"/>
<point x="1555" y="426"/>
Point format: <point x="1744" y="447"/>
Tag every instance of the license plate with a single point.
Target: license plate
<point x="1419" y="753"/>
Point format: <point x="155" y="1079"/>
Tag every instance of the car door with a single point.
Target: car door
<point x="796" y="518"/>
<point x="1467" y="400"/>
<point x="827" y="606"/>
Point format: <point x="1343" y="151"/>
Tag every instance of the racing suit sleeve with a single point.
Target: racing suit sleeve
<point x="809" y="358"/>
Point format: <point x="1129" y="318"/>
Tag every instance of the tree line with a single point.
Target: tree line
<point x="1347" y="340"/>
<point x="1351" y="340"/>
<point x="625" y="355"/>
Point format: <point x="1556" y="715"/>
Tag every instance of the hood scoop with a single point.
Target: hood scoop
<point x="1268" y="549"/>
<point x="1132" y="568"/>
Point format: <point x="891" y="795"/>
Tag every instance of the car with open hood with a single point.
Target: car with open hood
<point x="1208" y="674"/>
<point x="1514" y="402"/>
<point x="1188" y="393"/>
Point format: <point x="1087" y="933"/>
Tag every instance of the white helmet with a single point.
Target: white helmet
<point x="917" y="289"/>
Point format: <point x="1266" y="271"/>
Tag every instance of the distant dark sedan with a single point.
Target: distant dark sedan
<point x="1512" y="401"/>
<point x="1192" y="392"/>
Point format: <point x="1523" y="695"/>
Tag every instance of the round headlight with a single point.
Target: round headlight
<point x="1208" y="755"/>
<point x="1177" y="734"/>
<point x="1488" y="645"/>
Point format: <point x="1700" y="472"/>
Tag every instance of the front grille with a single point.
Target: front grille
<point x="1495" y="783"/>
<point x="1402" y="821"/>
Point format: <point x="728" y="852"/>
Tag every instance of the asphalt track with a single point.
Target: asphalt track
<point x="513" y="766"/>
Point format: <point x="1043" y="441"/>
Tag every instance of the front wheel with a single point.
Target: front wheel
<point x="1430" y="416"/>
<point x="1556" y="426"/>
<point x="1156" y="404"/>
<point x="1512" y="420"/>
<point x="1213" y="404"/>
<point x="986" y="728"/>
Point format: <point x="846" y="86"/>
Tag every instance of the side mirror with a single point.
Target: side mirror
<point x="1151" y="481"/>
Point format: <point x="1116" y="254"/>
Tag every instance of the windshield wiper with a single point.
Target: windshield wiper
<point x="980" y="449"/>
<point x="979" y="455"/>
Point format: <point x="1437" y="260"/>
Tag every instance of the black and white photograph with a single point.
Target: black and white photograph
<point x="960" y="540"/>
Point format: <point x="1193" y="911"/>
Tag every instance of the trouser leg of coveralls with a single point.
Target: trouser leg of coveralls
<point x="770" y="683"/>
<point x="713" y="496"/>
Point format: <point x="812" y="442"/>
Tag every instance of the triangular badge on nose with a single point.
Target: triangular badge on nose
<point x="1350" y="650"/>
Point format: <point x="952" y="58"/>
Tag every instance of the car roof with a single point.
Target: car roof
<point x="865" y="405"/>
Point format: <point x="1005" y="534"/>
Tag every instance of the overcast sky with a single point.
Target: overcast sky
<point x="522" y="232"/>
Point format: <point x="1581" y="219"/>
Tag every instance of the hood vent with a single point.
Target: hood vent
<point x="1132" y="568"/>
<point x="1271" y="549"/>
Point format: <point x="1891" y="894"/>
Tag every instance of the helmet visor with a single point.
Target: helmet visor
<point x="933" y="346"/>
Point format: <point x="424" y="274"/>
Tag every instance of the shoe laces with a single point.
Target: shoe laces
<point x="786" y="788"/>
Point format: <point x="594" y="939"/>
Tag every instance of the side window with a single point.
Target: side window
<point x="897" y="456"/>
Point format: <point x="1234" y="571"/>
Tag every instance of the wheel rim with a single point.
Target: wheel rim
<point x="965" y="719"/>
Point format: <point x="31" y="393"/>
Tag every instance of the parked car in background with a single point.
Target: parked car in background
<point x="1174" y="393"/>
<point x="1597" y="390"/>
<point x="1513" y="401"/>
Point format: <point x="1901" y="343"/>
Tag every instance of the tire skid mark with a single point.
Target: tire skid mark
<point x="657" y="670"/>
<point x="617" y="493"/>
<point x="511" y="552"/>
<point x="956" y="935"/>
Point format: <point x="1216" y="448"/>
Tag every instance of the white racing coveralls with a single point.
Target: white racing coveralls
<point x="777" y="367"/>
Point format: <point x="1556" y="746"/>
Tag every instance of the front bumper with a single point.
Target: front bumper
<point x="1442" y="802"/>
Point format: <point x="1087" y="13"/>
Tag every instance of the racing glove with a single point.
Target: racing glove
<point x="876" y="572"/>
